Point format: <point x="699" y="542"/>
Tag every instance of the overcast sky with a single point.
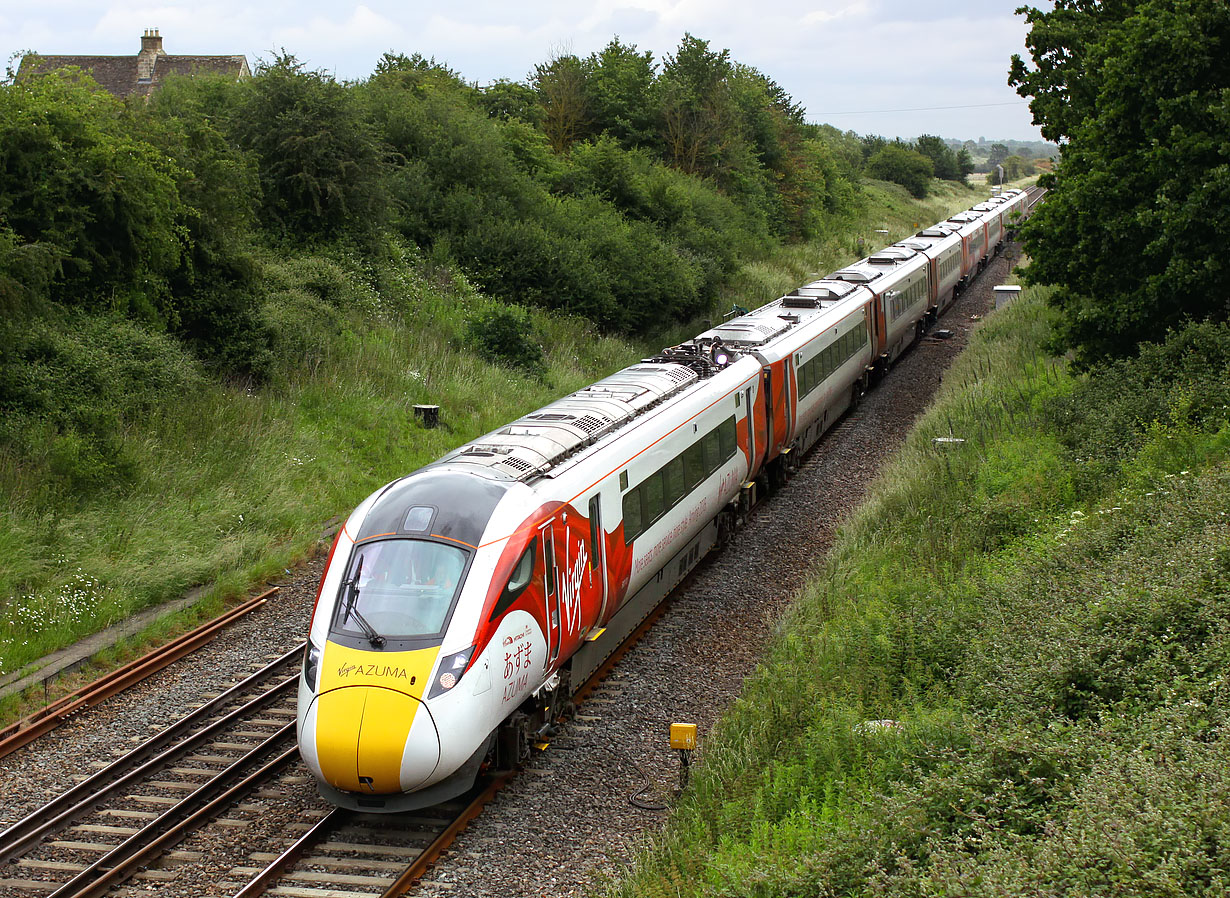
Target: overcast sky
<point x="861" y="65"/>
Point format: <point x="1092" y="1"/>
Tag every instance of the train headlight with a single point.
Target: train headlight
<point x="311" y="666"/>
<point x="451" y="669"/>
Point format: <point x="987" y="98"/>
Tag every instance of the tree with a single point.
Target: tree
<point x="699" y="117"/>
<point x="1017" y="167"/>
<point x="965" y="164"/>
<point x="943" y="159"/>
<point x="215" y="288"/>
<point x="320" y="165"/>
<point x="621" y="91"/>
<point x="903" y="166"/>
<point x="511" y="101"/>
<point x="89" y="203"/>
<point x="999" y="152"/>
<point x="1134" y="230"/>
<point x="560" y="84"/>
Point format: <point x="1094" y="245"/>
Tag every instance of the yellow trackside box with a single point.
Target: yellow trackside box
<point x="683" y="736"/>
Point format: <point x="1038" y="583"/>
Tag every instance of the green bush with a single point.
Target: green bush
<point x="70" y="385"/>
<point x="80" y="173"/>
<point x="506" y="336"/>
<point x="1183" y="381"/>
<point x="903" y="166"/>
<point x="301" y="326"/>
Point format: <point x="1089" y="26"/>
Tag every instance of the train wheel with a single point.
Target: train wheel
<point x="512" y="743"/>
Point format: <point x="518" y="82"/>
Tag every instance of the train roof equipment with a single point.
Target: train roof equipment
<point x="891" y="255"/>
<point x="534" y="444"/>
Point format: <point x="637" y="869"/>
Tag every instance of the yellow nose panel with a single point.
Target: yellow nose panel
<point x="360" y="737"/>
<point x="366" y="707"/>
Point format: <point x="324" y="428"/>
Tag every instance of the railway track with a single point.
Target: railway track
<point x="138" y="807"/>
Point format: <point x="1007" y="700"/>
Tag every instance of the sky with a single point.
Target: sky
<point x="898" y="68"/>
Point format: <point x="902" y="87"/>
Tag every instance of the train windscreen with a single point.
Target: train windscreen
<point x="399" y="589"/>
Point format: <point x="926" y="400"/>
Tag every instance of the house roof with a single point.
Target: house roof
<point x="141" y="74"/>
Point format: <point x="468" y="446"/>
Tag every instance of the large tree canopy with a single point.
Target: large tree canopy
<point x="1135" y="229"/>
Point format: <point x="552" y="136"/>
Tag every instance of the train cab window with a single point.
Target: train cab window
<point x="655" y="505"/>
<point x="399" y="589"/>
<point x="633" y="517"/>
<point x="675" y="482"/>
<point x="694" y="470"/>
<point x="520" y="578"/>
<point x="726" y="433"/>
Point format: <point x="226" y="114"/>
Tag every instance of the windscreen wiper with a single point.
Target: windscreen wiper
<point x="369" y="631"/>
<point x="352" y="600"/>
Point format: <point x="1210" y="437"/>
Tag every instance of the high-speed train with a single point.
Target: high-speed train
<point x="460" y="603"/>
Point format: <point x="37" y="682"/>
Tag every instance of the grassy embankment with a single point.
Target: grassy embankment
<point x="227" y="486"/>
<point x="1009" y="676"/>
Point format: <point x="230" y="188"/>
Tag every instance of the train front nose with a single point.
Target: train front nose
<point x="374" y="740"/>
<point x="367" y="729"/>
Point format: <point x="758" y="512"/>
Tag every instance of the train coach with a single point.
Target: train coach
<point x="460" y="604"/>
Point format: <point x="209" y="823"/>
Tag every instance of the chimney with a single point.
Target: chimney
<point x="151" y="42"/>
<point x="151" y="49"/>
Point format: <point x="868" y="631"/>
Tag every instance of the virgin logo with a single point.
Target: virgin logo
<point x="570" y="590"/>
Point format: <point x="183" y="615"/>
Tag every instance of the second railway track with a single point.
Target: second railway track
<point x="138" y="807"/>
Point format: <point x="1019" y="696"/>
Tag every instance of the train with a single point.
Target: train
<point x="461" y="604"/>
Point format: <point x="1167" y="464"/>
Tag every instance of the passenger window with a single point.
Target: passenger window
<point x="633" y="518"/>
<point x="713" y="451"/>
<point x="521" y="576"/>
<point x="654" y="506"/>
<point x="694" y="464"/>
<point x="676" y="485"/>
<point x="729" y="441"/>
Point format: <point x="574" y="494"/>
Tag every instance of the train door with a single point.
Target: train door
<point x="788" y="394"/>
<point x="751" y="432"/>
<point x="879" y="343"/>
<point x="550" y="592"/>
<point x="770" y="410"/>
<point x="597" y="553"/>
